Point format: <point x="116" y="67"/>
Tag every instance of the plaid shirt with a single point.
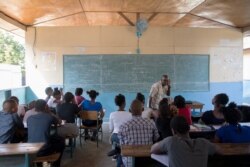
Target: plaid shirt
<point x="138" y="131"/>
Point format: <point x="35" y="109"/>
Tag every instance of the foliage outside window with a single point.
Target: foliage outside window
<point x="11" y="51"/>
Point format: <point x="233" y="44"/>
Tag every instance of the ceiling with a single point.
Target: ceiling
<point x="172" y="13"/>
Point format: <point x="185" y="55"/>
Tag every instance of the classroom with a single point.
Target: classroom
<point x="97" y="45"/>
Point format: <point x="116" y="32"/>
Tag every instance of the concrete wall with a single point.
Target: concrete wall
<point x="45" y="47"/>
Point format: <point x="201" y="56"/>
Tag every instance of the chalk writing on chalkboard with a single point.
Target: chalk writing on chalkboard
<point x="134" y="73"/>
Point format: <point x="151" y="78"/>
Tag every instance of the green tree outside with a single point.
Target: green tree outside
<point x="11" y="51"/>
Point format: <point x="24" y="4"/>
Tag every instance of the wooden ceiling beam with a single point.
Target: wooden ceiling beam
<point x="137" y="16"/>
<point x="126" y="18"/>
<point x="152" y="17"/>
<point x="12" y="21"/>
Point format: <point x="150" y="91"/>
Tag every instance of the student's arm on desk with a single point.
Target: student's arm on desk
<point x="156" y="149"/>
<point x="161" y="146"/>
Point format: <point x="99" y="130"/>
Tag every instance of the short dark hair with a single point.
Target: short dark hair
<point x="11" y="102"/>
<point x="68" y="97"/>
<point x="15" y="99"/>
<point x="221" y="99"/>
<point x="78" y="91"/>
<point x="56" y="92"/>
<point x="48" y="89"/>
<point x="119" y="100"/>
<point x="231" y="113"/>
<point x="40" y="105"/>
<point x="92" y="94"/>
<point x="179" y="101"/>
<point x="163" y="101"/>
<point x="140" y="97"/>
<point x="180" y="125"/>
<point x="164" y="76"/>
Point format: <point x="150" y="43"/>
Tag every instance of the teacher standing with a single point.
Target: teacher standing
<point x="159" y="90"/>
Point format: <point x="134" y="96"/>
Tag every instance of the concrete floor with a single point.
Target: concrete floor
<point x="89" y="155"/>
<point x="86" y="156"/>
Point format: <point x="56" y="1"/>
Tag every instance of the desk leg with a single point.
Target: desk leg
<point x="27" y="160"/>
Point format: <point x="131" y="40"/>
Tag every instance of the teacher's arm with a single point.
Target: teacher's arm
<point x="169" y="87"/>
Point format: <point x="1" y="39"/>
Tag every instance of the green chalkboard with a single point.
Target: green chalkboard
<point x="133" y="73"/>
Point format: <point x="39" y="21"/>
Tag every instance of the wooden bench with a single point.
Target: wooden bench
<point x="49" y="159"/>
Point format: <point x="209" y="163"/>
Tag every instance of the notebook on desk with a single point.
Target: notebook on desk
<point x="203" y="127"/>
<point x="162" y="158"/>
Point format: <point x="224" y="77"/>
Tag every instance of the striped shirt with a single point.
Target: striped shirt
<point x="138" y="131"/>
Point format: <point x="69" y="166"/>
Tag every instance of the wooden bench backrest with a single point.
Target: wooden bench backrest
<point x="89" y="115"/>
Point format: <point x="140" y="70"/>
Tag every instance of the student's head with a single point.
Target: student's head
<point x="220" y="100"/>
<point x="140" y="97"/>
<point x="57" y="94"/>
<point x="41" y="105"/>
<point x="78" y="91"/>
<point x="231" y="113"/>
<point x="164" y="109"/>
<point x="120" y="100"/>
<point x="179" y="101"/>
<point x="164" y="80"/>
<point x="136" y="107"/>
<point x="15" y="99"/>
<point x="68" y="97"/>
<point x="92" y="94"/>
<point x="179" y="125"/>
<point x="10" y="106"/>
<point x="31" y="105"/>
<point x="163" y="101"/>
<point x="49" y="91"/>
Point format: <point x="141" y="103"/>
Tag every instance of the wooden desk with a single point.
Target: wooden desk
<point x="234" y="149"/>
<point x="136" y="151"/>
<point x="195" y="105"/>
<point x="226" y="149"/>
<point x="20" y="148"/>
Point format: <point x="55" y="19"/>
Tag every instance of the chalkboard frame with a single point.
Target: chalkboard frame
<point x="101" y="57"/>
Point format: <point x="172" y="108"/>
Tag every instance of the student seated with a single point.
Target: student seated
<point x="92" y="105"/>
<point x="181" y="149"/>
<point x="49" y="93"/>
<point x="68" y="109"/>
<point x="163" y="120"/>
<point x="55" y="100"/>
<point x="147" y="112"/>
<point x="21" y="108"/>
<point x="31" y="111"/>
<point x="116" y="119"/>
<point x="215" y="116"/>
<point x="137" y="131"/>
<point x="11" y="126"/>
<point x="39" y="127"/>
<point x="78" y="96"/>
<point x="184" y="111"/>
<point x="232" y="132"/>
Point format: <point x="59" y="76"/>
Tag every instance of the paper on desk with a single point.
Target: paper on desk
<point x="162" y="158"/>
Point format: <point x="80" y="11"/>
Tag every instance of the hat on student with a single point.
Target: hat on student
<point x="92" y="93"/>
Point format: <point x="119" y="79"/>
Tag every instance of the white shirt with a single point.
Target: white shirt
<point x="21" y="111"/>
<point x="157" y="93"/>
<point x="28" y="114"/>
<point x="52" y="103"/>
<point x="117" y="118"/>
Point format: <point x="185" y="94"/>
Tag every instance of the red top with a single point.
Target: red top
<point x="79" y="99"/>
<point x="185" y="112"/>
